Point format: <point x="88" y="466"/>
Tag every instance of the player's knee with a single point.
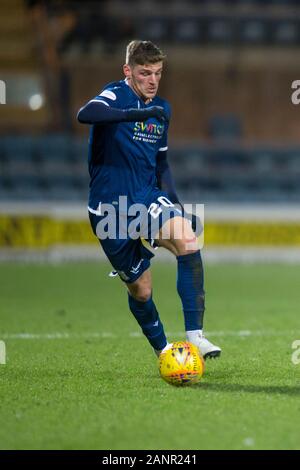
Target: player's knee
<point x="185" y="252"/>
<point x="143" y="295"/>
<point x="140" y="293"/>
<point x="183" y="237"/>
<point x="187" y="246"/>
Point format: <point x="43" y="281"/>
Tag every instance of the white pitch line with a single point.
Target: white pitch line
<point x="137" y="334"/>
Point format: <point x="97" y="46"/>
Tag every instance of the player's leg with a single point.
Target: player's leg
<point x="178" y="237"/>
<point x="131" y="261"/>
<point x="144" y="310"/>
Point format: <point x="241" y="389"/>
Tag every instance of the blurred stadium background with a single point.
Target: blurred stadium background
<point x="79" y="374"/>
<point x="234" y="136"/>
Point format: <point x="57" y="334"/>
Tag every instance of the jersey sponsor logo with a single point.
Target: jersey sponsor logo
<point x="150" y="128"/>
<point x="148" y="132"/>
<point x="109" y="94"/>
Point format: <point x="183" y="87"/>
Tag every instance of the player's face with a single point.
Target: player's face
<point x="144" y="79"/>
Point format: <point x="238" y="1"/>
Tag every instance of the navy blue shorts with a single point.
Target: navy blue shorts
<point x="126" y="252"/>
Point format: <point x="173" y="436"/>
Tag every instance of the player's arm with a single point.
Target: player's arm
<point x="166" y="183"/>
<point x="163" y="173"/>
<point x="98" y="112"/>
<point x="164" y="176"/>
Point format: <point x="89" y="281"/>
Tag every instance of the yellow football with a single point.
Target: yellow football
<point x="181" y="364"/>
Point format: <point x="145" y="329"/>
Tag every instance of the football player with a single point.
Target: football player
<point x="128" y="158"/>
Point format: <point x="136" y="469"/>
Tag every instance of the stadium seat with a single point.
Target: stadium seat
<point x="226" y="127"/>
<point x="54" y="147"/>
<point x="19" y="148"/>
<point x="253" y="31"/>
<point x="155" y="29"/>
<point x="79" y="150"/>
<point x="188" y="31"/>
<point x="286" y="32"/>
<point x="220" y="30"/>
<point x="222" y="170"/>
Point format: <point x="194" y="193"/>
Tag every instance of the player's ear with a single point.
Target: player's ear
<point x="127" y="70"/>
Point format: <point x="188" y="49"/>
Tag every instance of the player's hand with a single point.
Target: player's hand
<point x="134" y="114"/>
<point x="159" y="113"/>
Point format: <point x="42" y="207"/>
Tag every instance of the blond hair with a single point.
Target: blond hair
<point x="143" y="52"/>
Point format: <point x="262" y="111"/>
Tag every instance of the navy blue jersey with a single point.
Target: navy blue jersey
<point x="122" y="156"/>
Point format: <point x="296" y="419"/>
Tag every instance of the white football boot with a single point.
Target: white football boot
<point x="159" y="351"/>
<point x="206" y="348"/>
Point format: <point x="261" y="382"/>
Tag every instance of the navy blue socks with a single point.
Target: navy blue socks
<point x="190" y="287"/>
<point x="148" y="319"/>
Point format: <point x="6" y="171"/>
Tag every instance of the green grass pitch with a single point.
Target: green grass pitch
<point x="86" y="379"/>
